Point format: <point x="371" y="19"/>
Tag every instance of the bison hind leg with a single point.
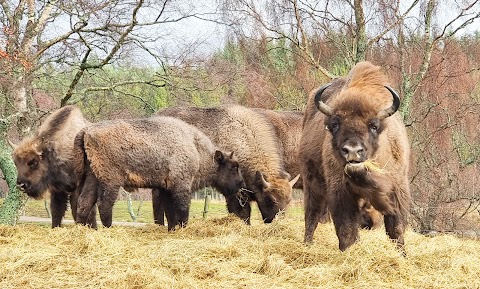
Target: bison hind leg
<point x="176" y="204"/>
<point x="181" y="205"/>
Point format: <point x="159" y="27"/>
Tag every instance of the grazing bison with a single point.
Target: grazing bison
<point x="354" y="146"/>
<point x="288" y="128"/>
<point x="252" y="137"/>
<point x="162" y="153"/>
<point x="44" y="162"/>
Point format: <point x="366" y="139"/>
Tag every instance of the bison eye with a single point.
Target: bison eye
<point x="334" y="124"/>
<point x="33" y="163"/>
<point x="334" y="127"/>
<point x="374" y="126"/>
<point x="270" y="201"/>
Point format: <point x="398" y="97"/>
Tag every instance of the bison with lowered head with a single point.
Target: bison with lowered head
<point x="161" y="153"/>
<point x="354" y="146"/>
<point x="44" y="162"/>
<point x="252" y="138"/>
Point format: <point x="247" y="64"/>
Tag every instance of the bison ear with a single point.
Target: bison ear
<point x="39" y="148"/>
<point x="260" y="180"/>
<point x="219" y="157"/>
<point x="284" y="174"/>
<point x="294" y="180"/>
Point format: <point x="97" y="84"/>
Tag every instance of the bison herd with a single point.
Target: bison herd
<point x="348" y="151"/>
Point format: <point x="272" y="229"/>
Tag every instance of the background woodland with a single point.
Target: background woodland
<point x="129" y="58"/>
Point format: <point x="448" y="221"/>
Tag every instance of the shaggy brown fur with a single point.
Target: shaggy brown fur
<point x="44" y="162"/>
<point x="251" y="136"/>
<point x="288" y="129"/>
<point x="334" y="160"/>
<point x="163" y="153"/>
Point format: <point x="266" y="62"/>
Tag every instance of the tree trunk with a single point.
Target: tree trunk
<point x="18" y="120"/>
<point x="9" y="211"/>
<point x="361" y="35"/>
<point x="207" y="202"/>
<point x="129" y="203"/>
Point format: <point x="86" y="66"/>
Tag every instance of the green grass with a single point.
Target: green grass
<point x="144" y="214"/>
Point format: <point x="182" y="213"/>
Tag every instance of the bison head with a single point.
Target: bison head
<point x="32" y="169"/>
<point x="355" y="123"/>
<point x="229" y="179"/>
<point x="369" y="217"/>
<point x="273" y="195"/>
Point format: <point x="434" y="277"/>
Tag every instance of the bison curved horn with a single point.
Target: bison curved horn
<point x="261" y="179"/>
<point x="294" y="180"/>
<point x="392" y="109"/>
<point x="13" y="145"/>
<point x="327" y="110"/>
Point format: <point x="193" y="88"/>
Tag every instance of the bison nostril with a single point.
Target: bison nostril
<point x="268" y="220"/>
<point x="23" y="185"/>
<point x="353" y="152"/>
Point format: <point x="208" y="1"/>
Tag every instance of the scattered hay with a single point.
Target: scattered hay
<point x="225" y="253"/>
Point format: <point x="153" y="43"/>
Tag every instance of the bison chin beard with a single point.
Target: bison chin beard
<point x="37" y="192"/>
<point x="371" y="183"/>
<point x="356" y="171"/>
<point x="359" y="175"/>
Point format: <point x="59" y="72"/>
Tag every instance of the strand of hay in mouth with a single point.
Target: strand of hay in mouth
<point x="373" y="166"/>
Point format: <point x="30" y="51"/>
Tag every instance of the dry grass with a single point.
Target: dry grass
<point x="225" y="253"/>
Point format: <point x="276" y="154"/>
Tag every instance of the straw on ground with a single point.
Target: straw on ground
<point x="225" y="253"/>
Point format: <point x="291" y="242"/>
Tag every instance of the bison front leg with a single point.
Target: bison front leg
<point x="316" y="209"/>
<point x="345" y="215"/>
<point x="395" y="227"/>
<point x="181" y="207"/>
<point x="163" y="203"/>
<point x="158" y="208"/>
<point x="58" y="206"/>
<point x="240" y="206"/>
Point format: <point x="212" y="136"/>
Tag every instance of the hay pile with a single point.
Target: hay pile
<point x="225" y="253"/>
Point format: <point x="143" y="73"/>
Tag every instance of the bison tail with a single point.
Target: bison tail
<point x="79" y="156"/>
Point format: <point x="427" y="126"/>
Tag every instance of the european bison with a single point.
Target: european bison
<point x="44" y="162"/>
<point x="252" y="137"/>
<point x="162" y="153"/>
<point x="354" y="145"/>
<point x="288" y="128"/>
